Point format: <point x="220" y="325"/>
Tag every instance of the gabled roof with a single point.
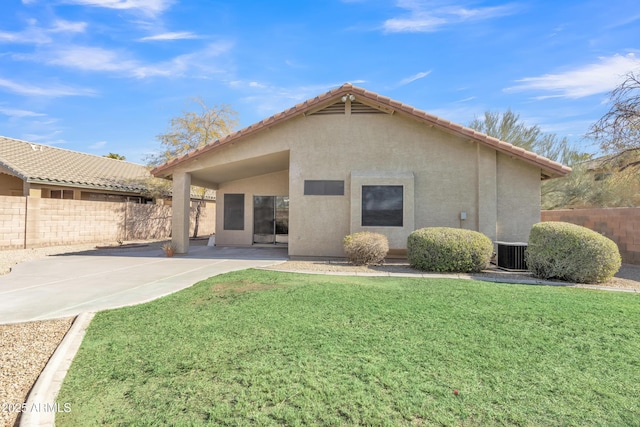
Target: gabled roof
<point x="44" y="164"/>
<point x="549" y="168"/>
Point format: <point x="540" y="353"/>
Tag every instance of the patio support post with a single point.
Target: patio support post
<point x="181" y="211"/>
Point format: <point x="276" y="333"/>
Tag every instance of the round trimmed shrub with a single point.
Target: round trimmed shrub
<point x="365" y="248"/>
<point x="449" y="249"/>
<point x="571" y="252"/>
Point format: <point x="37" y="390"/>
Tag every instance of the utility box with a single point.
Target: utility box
<point x="511" y="255"/>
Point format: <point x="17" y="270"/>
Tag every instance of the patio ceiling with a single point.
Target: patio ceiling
<point x="212" y="177"/>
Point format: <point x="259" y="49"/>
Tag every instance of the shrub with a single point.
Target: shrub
<point x="570" y="252"/>
<point x="449" y="249"/>
<point x="365" y="248"/>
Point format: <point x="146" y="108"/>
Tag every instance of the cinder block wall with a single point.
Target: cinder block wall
<point x="34" y="222"/>
<point x="622" y="225"/>
<point x="12" y="221"/>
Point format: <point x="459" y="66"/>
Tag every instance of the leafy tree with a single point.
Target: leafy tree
<point x="190" y="131"/>
<point x="619" y="128"/>
<point x="509" y="127"/>
<point x="115" y="156"/>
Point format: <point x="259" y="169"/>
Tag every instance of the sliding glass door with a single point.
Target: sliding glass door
<point x="271" y="219"/>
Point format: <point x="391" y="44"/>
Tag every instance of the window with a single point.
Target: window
<point x="61" y="194"/>
<point x="323" y="188"/>
<point x="382" y="205"/>
<point x="234" y="211"/>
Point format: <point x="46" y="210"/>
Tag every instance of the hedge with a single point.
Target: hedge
<point x="560" y="250"/>
<point x="446" y="249"/>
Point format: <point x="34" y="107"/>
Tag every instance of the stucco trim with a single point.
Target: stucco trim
<point x="397" y="235"/>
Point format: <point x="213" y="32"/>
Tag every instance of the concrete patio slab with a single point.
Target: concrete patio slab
<point x="66" y="285"/>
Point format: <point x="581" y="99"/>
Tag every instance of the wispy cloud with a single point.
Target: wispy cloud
<point x="54" y="90"/>
<point x="11" y="112"/>
<point x="591" y="79"/>
<point x="35" y="34"/>
<point x="170" y="36"/>
<point x="98" y="145"/>
<point x="429" y="16"/>
<point x="148" y="7"/>
<point x="122" y="63"/>
<point x="413" y="78"/>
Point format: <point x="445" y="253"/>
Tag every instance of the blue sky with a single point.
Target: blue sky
<point x="102" y="76"/>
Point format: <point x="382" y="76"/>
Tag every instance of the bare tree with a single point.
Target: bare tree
<point x="193" y="130"/>
<point x="619" y="128"/>
<point x="190" y="131"/>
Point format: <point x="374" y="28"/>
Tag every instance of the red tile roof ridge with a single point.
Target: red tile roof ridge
<point x="301" y="108"/>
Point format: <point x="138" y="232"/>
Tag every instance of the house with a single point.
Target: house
<point x="36" y="170"/>
<point x="352" y="160"/>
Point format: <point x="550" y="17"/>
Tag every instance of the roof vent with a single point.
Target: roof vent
<point x="360" y="108"/>
<point x="36" y="147"/>
<point x="337" y="108"/>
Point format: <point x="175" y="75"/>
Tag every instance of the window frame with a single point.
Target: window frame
<point x="369" y="218"/>
<point x="234" y="211"/>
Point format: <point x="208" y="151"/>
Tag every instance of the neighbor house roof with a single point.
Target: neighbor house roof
<point x="549" y="168"/>
<point x="44" y="164"/>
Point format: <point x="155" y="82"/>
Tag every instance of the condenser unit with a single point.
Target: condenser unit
<point x="511" y="255"/>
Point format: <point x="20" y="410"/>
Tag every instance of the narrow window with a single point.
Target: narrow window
<point x="323" y="188"/>
<point x="234" y="211"/>
<point x="382" y="205"/>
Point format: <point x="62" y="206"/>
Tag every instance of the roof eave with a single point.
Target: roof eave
<point x="554" y="169"/>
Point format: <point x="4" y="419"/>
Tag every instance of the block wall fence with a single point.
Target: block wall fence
<point x="622" y="225"/>
<point x="30" y="222"/>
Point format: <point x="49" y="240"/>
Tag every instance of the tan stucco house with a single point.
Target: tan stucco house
<point x="43" y="171"/>
<point x="38" y="170"/>
<point x="351" y="160"/>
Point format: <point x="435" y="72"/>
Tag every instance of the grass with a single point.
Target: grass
<point x="267" y="348"/>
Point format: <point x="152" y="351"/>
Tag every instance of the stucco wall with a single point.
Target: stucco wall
<point x="518" y="199"/>
<point x="274" y="184"/>
<point x="451" y="174"/>
<point x="10" y="185"/>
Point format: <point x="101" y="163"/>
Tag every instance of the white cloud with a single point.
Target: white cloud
<point x="591" y="79"/>
<point x="51" y="91"/>
<point x="170" y="36"/>
<point x="19" y="113"/>
<point x="97" y="145"/>
<point x="429" y="16"/>
<point x="89" y="58"/>
<point x="149" y="7"/>
<point x="413" y="78"/>
<point x="34" y="34"/>
<point x="62" y="26"/>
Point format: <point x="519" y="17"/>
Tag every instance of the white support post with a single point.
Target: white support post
<point x="181" y="211"/>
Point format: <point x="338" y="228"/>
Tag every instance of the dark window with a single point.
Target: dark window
<point x="234" y="211"/>
<point x="382" y="206"/>
<point x="323" y="188"/>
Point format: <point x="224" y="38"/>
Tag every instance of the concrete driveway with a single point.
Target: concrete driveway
<point x="66" y="285"/>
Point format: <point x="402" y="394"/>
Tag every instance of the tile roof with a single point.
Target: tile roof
<point x="550" y="169"/>
<point x="44" y="164"/>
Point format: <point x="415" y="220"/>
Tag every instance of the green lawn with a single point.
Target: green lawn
<point x="267" y="348"/>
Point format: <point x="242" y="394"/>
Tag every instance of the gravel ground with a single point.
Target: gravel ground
<point x="627" y="278"/>
<point x="24" y="351"/>
<point x="25" y="348"/>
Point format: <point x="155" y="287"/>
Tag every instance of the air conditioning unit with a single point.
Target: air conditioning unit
<point x="511" y="255"/>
